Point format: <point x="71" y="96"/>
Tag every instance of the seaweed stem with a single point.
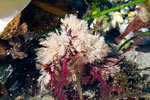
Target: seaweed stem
<point x="79" y="85"/>
<point x="132" y="38"/>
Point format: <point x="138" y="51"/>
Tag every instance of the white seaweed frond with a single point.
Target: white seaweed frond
<point x="91" y="47"/>
<point x="44" y="79"/>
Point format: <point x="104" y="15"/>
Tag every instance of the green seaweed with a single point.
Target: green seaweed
<point x="95" y="9"/>
<point x="100" y="13"/>
<point x="113" y="9"/>
<point x="132" y="38"/>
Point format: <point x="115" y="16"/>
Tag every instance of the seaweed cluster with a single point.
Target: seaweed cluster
<point x="74" y="62"/>
<point x="75" y="57"/>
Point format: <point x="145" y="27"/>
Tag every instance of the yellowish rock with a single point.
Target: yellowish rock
<point x="20" y="98"/>
<point x="131" y="15"/>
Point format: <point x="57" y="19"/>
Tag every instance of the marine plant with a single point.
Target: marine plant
<point x="132" y="38"/>
<point x="142" y="20"/>
<point x="96" y="13"/>
<point x="113" y="9"/>
<point x="73" y="56"/>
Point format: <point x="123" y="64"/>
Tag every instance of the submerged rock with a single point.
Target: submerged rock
<point x="20" y="98"/>
<point x="141" y="58"/>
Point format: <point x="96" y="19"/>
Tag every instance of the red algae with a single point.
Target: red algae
<point x="82" y="58"/>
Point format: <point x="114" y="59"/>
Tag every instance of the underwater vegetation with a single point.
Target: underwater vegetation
<point x="83" y="58"/>
<point x="75" y="56"/>
<point x="140" y="27"/>
<point x="141" y="21"/>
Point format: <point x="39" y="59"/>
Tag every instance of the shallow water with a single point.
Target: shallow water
<point x="34" y="59"/>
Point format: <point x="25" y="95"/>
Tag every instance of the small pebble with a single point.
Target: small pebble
<point x="126" y="0"/>
<point x="131" y="15"/>
<point x="117" y="16"/>
<point x="113" y="23"/>
<point x="20" y="98"/>
<point x="123" y="27"/>
<point x="144" y="30"/>
<point x="124" y="11"/>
